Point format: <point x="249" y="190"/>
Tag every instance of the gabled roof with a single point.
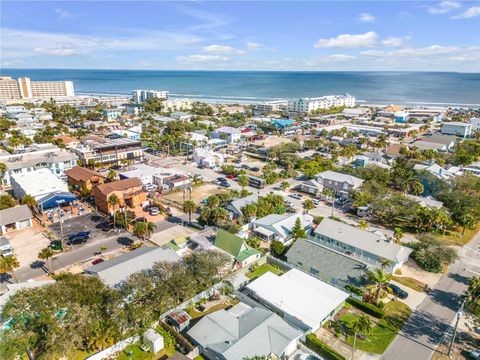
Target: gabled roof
<point x="368" y="241"/>
<point x="282" y="224"/>
<point x="229" y="130"/>
<point x="243" y="334"/>
<point x="238" y="204"/>
<point x="79" y="173"/>
<point x="119" y="185"/>
<point x="228" y="242"/>
<point x="13" y="214"/>
<point x="340" y="177"/>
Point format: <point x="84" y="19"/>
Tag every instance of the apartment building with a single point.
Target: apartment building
<point x="271" y="106"/>
<point x="109" y="151"/>
<point x="307" y="105"/>
<point x="140" y="96"/>
<point x="24" y="88"/>
<point x="36" y="157"/>
<point x="457" y="128"/>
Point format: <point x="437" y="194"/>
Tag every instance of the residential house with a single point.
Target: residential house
<point x="208" y="158"/>
<point x="302" y="300"/>
<point x="457" y="128"/>
<point x="243" y="332"/>
<point x="366" y="246"/>
<point x="311" y="187"/>
<point x="278" y="227"/>
<point x="448" y="141"/>
<point x="115" y="271"/>
<point x="228" y="133"/>
<point x="393" y="151"/>
<point x="339" y="183"/>
<point x="237" y="248"/>
<point x="326" y="264"/>
<point x="426" y="201"/>
<point x="235" y="206"/>
<point x="145" y="173"/>
<point x="80" y="178"/>
<point x="15" y="218"/>
<point x="132" y="133"/>
<point x="112" y="114"/>
<point x="177" y="181"/>
<point x="435" y="170"/>
<point x="129" y="192"/>
<point x="427" y="145"/>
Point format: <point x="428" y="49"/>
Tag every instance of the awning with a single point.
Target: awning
<point x="264" y="231"/>
<point x="55" y="199"/>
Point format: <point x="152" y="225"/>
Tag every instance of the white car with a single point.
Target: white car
<point x="296" y="196"/>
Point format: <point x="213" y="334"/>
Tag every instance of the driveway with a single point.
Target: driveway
<point x="28" y="243"/>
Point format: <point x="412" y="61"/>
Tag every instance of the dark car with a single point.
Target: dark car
<point x="221" y="179"/>
<point x="255" y="169"/>
<point x="105" y="226"/>
<point x="402" y="294"/>
<point x="245" y="167"/>
<point x="139" y="219"/>
<point x="82" y="235"/>
<point x="97" y="261"/>
<point x="224" y="184"/>
<point x="76" y="240"/>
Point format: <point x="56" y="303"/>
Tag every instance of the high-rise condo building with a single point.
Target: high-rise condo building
<point x="24" y="88"/>
<point x="140" y="96"/>
<point x="325" y="102"/>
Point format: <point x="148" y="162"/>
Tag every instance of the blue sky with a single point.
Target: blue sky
<point x="248" y="35"/>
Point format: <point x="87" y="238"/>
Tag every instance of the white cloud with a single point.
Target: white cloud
<point x="341" y="57"/>
<point x="444" y="7"/>
<point x="254" y="45"/>
<point x="434" y="51"/>
<point x="221" y="49"/>
<point x="367" y="39"/>
<point x="393" y="42"/>
<point x="366" y="17"/>
<point x="199" y="58"/>
<point x="62" y="13"/>
<point x="470" y="13"/>
<point x="58" y="50"/>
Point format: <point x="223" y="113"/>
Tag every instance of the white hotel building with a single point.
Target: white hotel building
<point x="307" y="105"/>
<point x="24" y="88"/>
<point x="140" y="96"/>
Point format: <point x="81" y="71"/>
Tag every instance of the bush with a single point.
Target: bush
<point x="179" y="338"/>
<point x="354" y="290"/>
<point x="323" y="349"/>
<point x="430" y="254"/>
<point x="277" y="248"/>
<point x="366" y="307"/>
<point x="317" y="220"/>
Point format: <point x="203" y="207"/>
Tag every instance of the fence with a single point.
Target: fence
<point x="119" y="346"/>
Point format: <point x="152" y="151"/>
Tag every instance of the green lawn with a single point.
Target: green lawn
<point x="139" y="354"/>
<point x="262" y="269"/>
<point x="456" y="238"/>
<point x="383" y="333"/>
<point x="411" y="283"/>
<point x="195" y="314"/>
<point x="200" y="357"/>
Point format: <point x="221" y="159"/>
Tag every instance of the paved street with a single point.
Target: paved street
<point x="431" y="323"/>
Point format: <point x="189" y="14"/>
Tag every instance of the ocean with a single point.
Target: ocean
<point x="432" y="88"/>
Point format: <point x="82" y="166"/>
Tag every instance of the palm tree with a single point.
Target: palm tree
<point x="397" y="234"/>
<point x="112" y="175"/>
<point x="3" y="170"/>
<point x="213" y="201"/>
<point x="243" y="181"/>
<point x="363" y="225"/>
<point x="29" y="200"/>
<point x="381" y="283"/>
<point x="284" y="185"/>
<point x="140" y="229"/>
<point x="329" y="194"/>
<point x="46" y="254"/>
<point x="188" y="208"/>
<point x="8" y="265"/>
<point x="361" y="325"/>
<point x="150" y="229"/>
<point x="113" y="201"/>
<point x="308" y="205"/>
<point x="385" y="263"/>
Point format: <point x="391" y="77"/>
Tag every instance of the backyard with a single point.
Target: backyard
<point x="262" y="269"/>
<point x="194" y="313"/>
<point x="139" y="354"/>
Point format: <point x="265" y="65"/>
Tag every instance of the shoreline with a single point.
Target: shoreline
<point x="226" y="99"/>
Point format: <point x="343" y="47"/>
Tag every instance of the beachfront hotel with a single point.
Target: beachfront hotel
<point x="140" y="96"/>
<point x="24" y="88"/>
<point x="307" y="105"/>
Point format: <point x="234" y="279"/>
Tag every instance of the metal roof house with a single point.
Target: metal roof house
<point x="244" y="332"/>
<point x="115" y="271"/>
<point x="279" y="227"/>
<point x="235" y="207"/>
<point x="303" y="301"/>
<point x="338" y="182"/>
<point x="367" y="246"/>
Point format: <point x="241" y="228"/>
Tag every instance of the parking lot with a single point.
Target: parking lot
<point x="88" y="222"/>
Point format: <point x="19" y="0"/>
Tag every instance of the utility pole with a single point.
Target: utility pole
<point x="354" y="343"/>
<point x="459" y="315"/>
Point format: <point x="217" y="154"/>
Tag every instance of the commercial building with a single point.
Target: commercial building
<point x="244" y="332"/>
<point x="271" y="106"/>
<point x="128" y="191"/>
<point x="80" y="178"/>
<point x="24" y="88"/>
<point x="37" y="156"/>
<point x="38" y="183"/>
<point x="302" y="300"/>
<point x="307" y="105"/>
<point x="110" y="151"/>
<point x="369" y="247"/>
<point x="114" y="272"/>
<point x="457" y="128"/>
<point x="140" y="96"/>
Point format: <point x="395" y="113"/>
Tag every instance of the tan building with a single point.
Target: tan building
<point x="110" y="151"/>
<point x="129" y="192"/>
<point x="82" y="178"/>
<point x="24" y="88"/>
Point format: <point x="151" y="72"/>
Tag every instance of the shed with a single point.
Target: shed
<point x="154" y="340"/>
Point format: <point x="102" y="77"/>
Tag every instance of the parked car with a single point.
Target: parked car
<point x="154" y="211"/>
<point x="296" y="196"/>
<point x="97" y="261"/>
<point x="76" y="240"/>
<point x="255" y="169"/>
<point x="224" y="184"/>
<point x="105" y="226"/>
<point x="82" y="235"/>
<point x="402" y="294"/>
<point x="139" y="219"/>
<point x="316" y="202"/>
<point x="245" y="167"/>
<point x="230" y="177"/>
<point x="308" y="357"/>
<point x="475" y="354"/>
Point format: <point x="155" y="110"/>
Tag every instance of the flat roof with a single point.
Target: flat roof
<point x="39" y="182"/>
<point x="300" y="295"/>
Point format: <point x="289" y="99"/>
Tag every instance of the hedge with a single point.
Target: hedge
<point x="366" y="307"/>
<point x="179" y="338"/>
<point x="322" y="349"/>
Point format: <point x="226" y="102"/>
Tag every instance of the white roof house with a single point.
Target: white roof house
<point x="426" y="201"/>
<point x="279" y="227"/>
<point x="340" y="177"/>
<point x="236" y="206"/>
<point x="305" y="301"/>
<point x="435" y="170"/>
<point x="38" y="183"/>
<point x="207" y="158"/>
